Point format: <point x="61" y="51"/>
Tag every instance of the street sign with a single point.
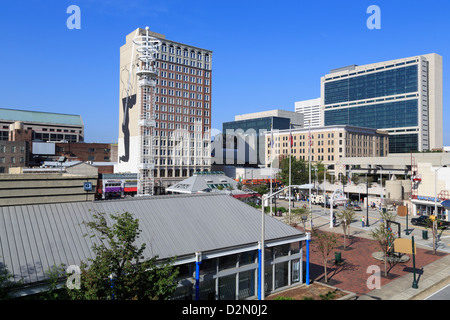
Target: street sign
<point x="402" y="211"/>
<point x="402" y="245"/>
<point x="87" y="186"/>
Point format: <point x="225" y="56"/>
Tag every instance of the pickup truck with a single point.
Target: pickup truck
<point x="423" y="221"/>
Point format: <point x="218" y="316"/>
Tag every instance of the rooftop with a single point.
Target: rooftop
<point x="40" y="117"/>
<point x="33" y="238"/>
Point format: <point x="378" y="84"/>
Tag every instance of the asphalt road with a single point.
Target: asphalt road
<point x="442" y="294"/>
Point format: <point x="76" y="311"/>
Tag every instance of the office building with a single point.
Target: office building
<point x="43" y="126"/>
<point x="312" y="112"/>
<point x="13" y="154"/>
<point x="328" y="144"/>
<point x="402" y="97"/>
<point x="164" y="109"/>
<point x="242" y="136"/>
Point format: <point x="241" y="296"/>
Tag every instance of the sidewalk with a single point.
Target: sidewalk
<point x="432" y="271"/>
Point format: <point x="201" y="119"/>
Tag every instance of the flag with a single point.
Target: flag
<point x="309" y="136"/>
<point x="290" y="136"/>
<point x="271" y="139"/>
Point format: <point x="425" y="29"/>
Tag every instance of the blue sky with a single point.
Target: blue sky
<point x="266" y="54"/>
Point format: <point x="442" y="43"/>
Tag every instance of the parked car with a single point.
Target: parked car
<point x="423" y="221"/>
<point x="354" y="207"/>
<point x="328" y="205"/>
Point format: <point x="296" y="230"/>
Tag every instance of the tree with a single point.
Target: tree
<point x="346" y="217"/>
<point x="326" y="242"/>
<point x="433" y="223"/>
<point x="299" y="171"/>
<point x="260" y="189"/>
<point x="320" y="172"/>
<point x="119" y="269"/>
<point x="6" y="282"/>
<point x="385" y="239"/>
<point x="54" y="274"/>
<point x="300" y="215"/>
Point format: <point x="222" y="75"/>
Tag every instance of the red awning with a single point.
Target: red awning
<point x="247" y="195"/>
<point x="131" y="189"/>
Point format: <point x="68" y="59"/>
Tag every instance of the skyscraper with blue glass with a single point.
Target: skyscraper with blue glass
<point x="402" y="97"/>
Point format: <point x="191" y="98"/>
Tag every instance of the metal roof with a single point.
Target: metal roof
<point x="40" y="117"/>
<point x="203" y="182"/>
<point x="33" y="238"/>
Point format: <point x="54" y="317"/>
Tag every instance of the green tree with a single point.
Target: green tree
<point x="54" y="274"/>
<point x="385" y="239"/>
<point x="326" y="242"/>
<point x="260" y="189"/>
<point x="299" y="171"/>
<point x="346" y="217"/>
<point x="300" y="215"/>
<point x="119" y="269"/>
<point x="6" y="282"/>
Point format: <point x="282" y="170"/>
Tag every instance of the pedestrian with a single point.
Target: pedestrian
<point x="363" y="221"/>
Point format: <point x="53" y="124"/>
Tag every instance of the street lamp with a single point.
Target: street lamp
<point x="381" y="188"/>
<point x="367" y="200"/>
<point x="324" y="188"/>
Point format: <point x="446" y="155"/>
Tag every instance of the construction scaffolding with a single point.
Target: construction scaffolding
<point x="147" y="48"/>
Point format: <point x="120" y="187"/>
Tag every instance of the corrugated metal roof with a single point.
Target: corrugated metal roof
<point x="41" y="117"/>
<point x="33" y="238"/>
<point x="202" y="182"/>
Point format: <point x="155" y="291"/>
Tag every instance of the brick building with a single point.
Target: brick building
<point x="13" y="154"/>
<point x="97" y="152"/>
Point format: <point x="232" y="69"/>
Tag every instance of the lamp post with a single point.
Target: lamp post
<point x="367" y="205"/>
<point x="381" y="188"/>
<point x="324" y="188"/>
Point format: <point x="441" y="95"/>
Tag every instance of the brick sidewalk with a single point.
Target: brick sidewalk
<point x="352" y="274"/>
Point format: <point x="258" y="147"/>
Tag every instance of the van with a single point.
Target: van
<point x="319" y="199"/>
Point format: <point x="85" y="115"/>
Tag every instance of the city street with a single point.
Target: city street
<point x="321" y="219"/>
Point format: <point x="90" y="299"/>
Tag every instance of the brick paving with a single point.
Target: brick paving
<point x="351" y="275"/>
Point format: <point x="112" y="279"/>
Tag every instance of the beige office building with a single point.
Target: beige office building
<point x="328" y="144"/>
<point x="177" y="143"/>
